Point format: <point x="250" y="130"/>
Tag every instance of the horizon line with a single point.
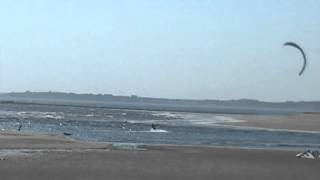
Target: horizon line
<point x="181" y="99"/>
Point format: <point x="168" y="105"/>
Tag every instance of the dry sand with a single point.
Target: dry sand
<point x="302" y="122"/>
<point x="54" y="157"/>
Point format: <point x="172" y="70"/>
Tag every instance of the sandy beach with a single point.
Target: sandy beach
<point x="27" y="156"/>
<point x="299" y="122"/>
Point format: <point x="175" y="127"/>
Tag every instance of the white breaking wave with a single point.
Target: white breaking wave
<point x="151" y="130"/>
<point x="89" y="115"/>
<point x="158" y="130"/>
<point x="211" y="120"/>
<point x="196" y="119"/>
<point x="32" y="114"/>
<point x="167" y="114"/>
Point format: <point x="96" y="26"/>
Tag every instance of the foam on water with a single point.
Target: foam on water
<point x="158" y="130"/>
<point x="32" y="114"/>
<point x="193" y="119"/>
<point x="150" y="131"/>
<point x="167" y="114"/>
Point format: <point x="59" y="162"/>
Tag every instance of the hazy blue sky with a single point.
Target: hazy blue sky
<point x="202" y="49"/>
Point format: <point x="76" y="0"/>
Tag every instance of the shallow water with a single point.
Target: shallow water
<point x="129" y="126"/>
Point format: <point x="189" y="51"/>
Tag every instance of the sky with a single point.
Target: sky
<point x="193" y="49"/>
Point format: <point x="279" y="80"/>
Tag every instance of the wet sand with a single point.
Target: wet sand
<point x="301" y="122"/>
<point x="54" y="157"/>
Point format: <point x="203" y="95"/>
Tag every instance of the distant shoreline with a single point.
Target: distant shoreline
<point x="242" y="106"/>
<point x="89" y="96"/>
<point x="86" y="104"/>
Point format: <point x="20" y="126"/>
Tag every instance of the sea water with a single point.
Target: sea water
<point x="134" y="126"/>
